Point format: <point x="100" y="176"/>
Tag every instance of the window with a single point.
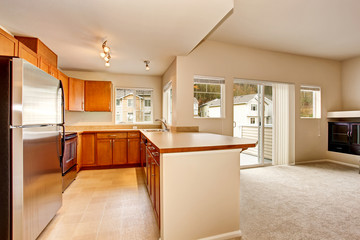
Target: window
<point x="252" y="120"/>
<point x="130" y="117"/>
<point x="133" y="105"/>
<point x="208" y="97"/>
<point x="147" y="103"/>
<point x="147" y="117"/>
<point x="167" y="102"/>
<point x="310" y="102"/>
<point x="253" y="107"/>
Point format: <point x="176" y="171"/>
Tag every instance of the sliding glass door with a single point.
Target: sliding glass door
<point x="252" y="118"/>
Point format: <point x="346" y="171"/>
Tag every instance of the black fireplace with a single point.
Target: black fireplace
<point x="344" y="137"/>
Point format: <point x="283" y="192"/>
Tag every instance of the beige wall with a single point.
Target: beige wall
<point x="170" y="75"/>
<point x="225" y="60"/>
<point x="118" y="80"/>
<point x="350" y="78"/>
<point x="351" y="84"/>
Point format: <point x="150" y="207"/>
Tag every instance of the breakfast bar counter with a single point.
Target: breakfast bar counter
<point x="194" y="183"/>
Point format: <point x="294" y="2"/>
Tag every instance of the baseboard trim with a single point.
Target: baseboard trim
<point x="224" y="236"/>
<point x="330" y="161"/>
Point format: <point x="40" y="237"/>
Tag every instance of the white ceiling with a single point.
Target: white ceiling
<point x="320" y="28"/>
<point x="136" y="30"/>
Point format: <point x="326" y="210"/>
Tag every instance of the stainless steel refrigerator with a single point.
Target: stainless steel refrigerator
<point x="32" y="120"/>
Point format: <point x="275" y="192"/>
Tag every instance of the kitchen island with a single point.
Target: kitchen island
<point x="194" y="183"/>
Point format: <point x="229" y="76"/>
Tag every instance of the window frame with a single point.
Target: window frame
<point x="200" y="79"/>
<point x="134" y="111"/>
<point x="317" y="106"/>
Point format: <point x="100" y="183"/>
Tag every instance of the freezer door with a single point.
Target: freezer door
<point x="37" y="180"/>
<point x="37" y="96"/>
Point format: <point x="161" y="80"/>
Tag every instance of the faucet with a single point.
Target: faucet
<point x="163" y="122"/>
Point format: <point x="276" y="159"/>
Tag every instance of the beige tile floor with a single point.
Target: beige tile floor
<point x="105" y="205"/>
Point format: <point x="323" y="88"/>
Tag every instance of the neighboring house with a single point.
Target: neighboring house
<point x="245" y="110"/>
<point x="125" y="108"/>
<point x="196" y="107"/>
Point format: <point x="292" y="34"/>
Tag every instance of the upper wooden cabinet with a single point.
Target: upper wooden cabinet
<point x="76" y="94"/>
<point x="47" y="56"/>
<point x="98" y="96"/>
<point x="65" y="81"/>
<point x="8" y="44"/>
<point x="27" y="54"/>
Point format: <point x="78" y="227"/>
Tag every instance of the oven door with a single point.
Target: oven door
<point x="69" y="159"/>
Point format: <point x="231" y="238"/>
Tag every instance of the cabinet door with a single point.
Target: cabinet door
<point x="53" y="71"/>
<point x="76" y="94"/>
<point x="148" y="171"/>
<point x="134" y="150"/>
<point x="65" y="81"/>
<point x="120" y="151"/>
<point x="142" y="154"/>
<point x="98" y="96"/>
<point x="79" y="153"/>
<point x="27" y="54"/>
<point x="152" y="181"/>
<point x="43" y="64"/>
<point x="88" y="150"/>
<point x="157" y="191"/>
<point x="104" y="149"/>
<point x="8" y="44"/>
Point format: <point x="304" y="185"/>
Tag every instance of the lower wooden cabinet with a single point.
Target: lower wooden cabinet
<point x="120" y="153"/>
<point x="153" y="183"/>
<point x="133" y="150"/>
<point x="104" y="152"/>
<point x="88" y="150"/>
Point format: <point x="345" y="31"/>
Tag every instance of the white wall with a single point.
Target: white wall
<point x="231" y="61"/>
<point x="118" y="80"/>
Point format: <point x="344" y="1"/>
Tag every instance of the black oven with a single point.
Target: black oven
<point x="344" y="137"/>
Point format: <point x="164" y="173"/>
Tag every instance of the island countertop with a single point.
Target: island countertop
<point x="171" y="142"/>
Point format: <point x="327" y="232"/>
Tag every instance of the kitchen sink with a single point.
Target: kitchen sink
<point x="155" y="130"/>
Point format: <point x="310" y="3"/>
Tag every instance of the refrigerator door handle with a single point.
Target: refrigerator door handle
<point x="63" y="122"/>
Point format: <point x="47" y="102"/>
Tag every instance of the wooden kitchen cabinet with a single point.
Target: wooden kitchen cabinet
<point x="45" y="55"/>
<point x="79" y="153"/>
<point x="27" y="54"/>
<point x="65" y="82"/>
<point x="76" y="94"/>
<point x="104" y="152"/>
<point x="120" y="152"/>
<point x="98" y="96"/>
<point x="88" y="149"/>
<point x="111" y="149"/>
<point x="8" y="44"/>
<point x="157" y="190"/>
<point x="133" y="150"/>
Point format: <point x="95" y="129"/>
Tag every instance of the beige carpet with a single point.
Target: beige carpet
<point x="312" y="201"/>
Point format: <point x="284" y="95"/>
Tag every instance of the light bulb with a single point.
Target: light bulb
<point x="102" y="54"/>
<point x="106" y="49"/>
<point x="107" y="64"/>
<point x="147" y="68"/>
<point x="106" y="58"/>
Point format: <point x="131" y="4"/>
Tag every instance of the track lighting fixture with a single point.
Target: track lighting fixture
<point x="105" y="54"/>
<point x="147" y="68"/>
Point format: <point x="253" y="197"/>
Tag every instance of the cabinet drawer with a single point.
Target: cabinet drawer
<point x="112" y="135"/>
<point x="133" y="135"/>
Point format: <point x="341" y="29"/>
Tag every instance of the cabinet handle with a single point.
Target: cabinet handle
<point x="151" y="148"/>
<point x="156" y="154"/>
